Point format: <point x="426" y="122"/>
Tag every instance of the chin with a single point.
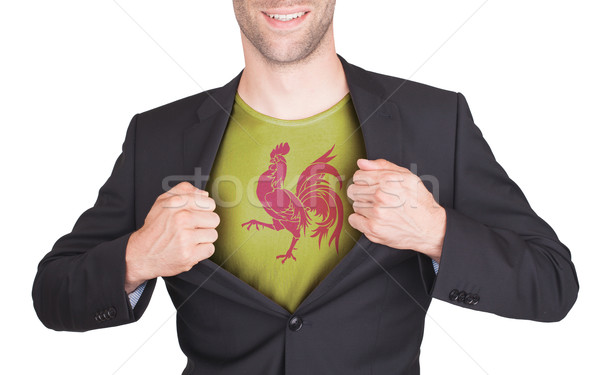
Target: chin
<point x="286" y="54"/>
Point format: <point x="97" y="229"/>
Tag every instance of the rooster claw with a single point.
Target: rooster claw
<point x="251" y="223"/>
<point x="286" y="256"/>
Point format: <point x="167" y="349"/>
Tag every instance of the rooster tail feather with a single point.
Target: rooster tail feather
<point x="304" y="220"/>
<point x="314" y="173"/>
<point x="332" y="216"/>
<point x="325" y="158"/>
<point x="340" y="222"/>
<point x="316" y="195"/>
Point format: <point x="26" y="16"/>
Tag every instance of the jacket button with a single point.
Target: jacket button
<point x="295" y="323"/>
<point x="105" y="315"/>
<point x="475" y="299"/>
<point x="469" y="299"/>
<point x="461" y="296"/>
<point x="112" y="312"/>
<point x="453" y="295"/>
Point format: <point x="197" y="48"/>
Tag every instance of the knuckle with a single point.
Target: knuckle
<point x="211" y="249"/>
<point x="176" y="200"/>
<point x="177" y="190"/>
<point x="401" y="169"/>
<point x="184" y="185"/>
<point x="184" y="254"/>
<point x="379" y="195"/>
<point x="185" y="260"/>
<point x="193" y="256"/>
<point x="181" y="218"/>
<point x="189" y="264"/>
<point x="411" y="178"/>
<point x="184" y="265"/>
<point x="369" y="227"/>
<point x="205" y="203"/>
<point x="207" y="249"/>
<point x="363" y="205"/>
<point x="390" y="200"/>
<point x="418" y="183"/>
<point x="391" y="177"/>
<point x="373" y="228"/>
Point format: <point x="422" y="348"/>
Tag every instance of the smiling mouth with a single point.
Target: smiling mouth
<point x="286" y="17"/>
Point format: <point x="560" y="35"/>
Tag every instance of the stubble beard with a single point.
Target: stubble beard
<point x="300" y="52"/>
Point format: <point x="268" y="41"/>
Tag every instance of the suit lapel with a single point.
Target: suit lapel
<point x="379" y="118"/>
<point x="381" y="127"/>
<point x="201" y="140"/>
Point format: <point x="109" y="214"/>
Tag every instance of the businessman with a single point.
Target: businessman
<point x="304" y="215"/>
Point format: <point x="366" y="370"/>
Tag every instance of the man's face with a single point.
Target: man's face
<point x="284" y="31"/>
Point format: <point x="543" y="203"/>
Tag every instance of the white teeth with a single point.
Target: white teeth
<point x="286" y="17"/>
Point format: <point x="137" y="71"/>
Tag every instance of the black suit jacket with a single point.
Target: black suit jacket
<point x="367" y="315"/>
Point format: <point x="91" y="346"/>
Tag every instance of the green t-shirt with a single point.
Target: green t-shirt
<point x="280" y="189"/>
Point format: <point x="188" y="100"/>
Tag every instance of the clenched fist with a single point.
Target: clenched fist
<point x="393" y="207"/>
<point x="178" y="232"/>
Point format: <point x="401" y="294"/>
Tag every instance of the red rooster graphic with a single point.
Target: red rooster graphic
<point x="313" y="194"/>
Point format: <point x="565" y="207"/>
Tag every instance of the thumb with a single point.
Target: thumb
<point x="369" y="165"/>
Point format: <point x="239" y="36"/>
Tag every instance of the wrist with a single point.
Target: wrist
<point x="435" y="241"/>
<point x="134" y="275"/>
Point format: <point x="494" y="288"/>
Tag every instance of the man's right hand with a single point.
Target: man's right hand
<point x="178" y="232"/>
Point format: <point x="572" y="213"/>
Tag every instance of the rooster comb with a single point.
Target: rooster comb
<point x="280" y="149"/>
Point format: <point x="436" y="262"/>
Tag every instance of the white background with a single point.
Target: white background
<point x="73" y="73"/>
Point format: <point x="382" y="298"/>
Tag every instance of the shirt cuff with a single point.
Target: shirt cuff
<point x="134" y="296"/>
<point x="436" y="266"/>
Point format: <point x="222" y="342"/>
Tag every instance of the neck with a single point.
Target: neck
<point x="293" y="91"/>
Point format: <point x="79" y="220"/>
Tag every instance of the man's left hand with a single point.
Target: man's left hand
<point x="392" y="207"/>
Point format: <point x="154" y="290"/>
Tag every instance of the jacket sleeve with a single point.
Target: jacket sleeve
<point x="79" y="284"/>
<point x="498" y="255"/>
